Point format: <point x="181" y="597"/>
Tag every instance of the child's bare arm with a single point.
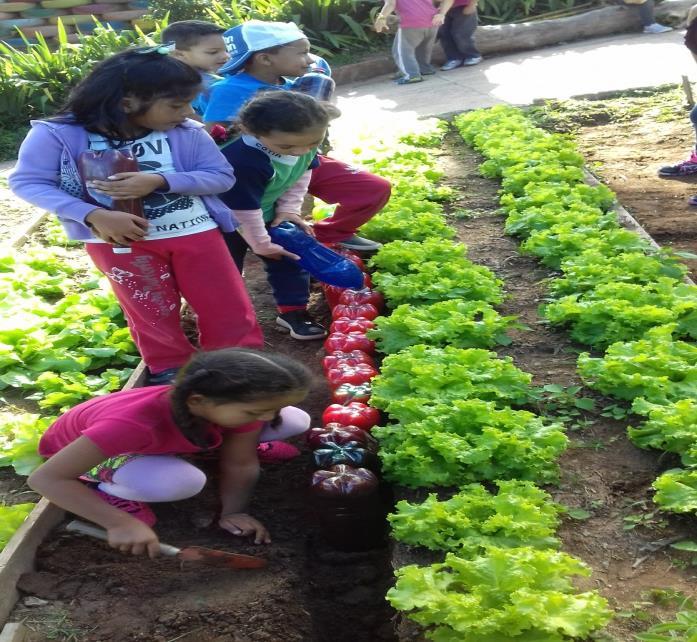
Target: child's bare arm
<point x="57" y="481"/>
<point x="381" y="19"/>
<point x="239" y="468"/>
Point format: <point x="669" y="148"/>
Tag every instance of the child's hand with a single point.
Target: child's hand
<point x="128" y="185"/>
<point x="438" y="20"/>
<point x="275" y="252"/>
<point x="380" y="24"/>
<point x="293" y="218"/>
<point x="242" y="525"/>
<point x="116" y="227"/>
<point x="134" y="537"/>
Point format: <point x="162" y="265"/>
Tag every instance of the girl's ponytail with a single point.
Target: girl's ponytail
<point x="233" y="375"/>
<point x="284" y="111"/>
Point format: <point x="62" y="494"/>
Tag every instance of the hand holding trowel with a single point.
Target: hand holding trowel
<point x="209" y="556"/>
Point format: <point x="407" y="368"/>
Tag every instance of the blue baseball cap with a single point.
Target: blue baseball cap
<point x="246" y="39"/>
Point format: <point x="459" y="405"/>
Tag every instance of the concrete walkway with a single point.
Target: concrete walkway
<point x="377" y="107"/>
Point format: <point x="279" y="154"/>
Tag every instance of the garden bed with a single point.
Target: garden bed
<point x="308" y="588"/>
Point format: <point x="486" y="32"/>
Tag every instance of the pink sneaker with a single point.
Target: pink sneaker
<point x="139" y="510"/>
<point x="275" y="452"/>
<point x="686" y="168"/>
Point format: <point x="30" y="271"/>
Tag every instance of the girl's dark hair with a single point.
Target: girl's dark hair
<point x="233" y="375"/>
<point x="144" y="73"/>
<point x="284" y="111"/>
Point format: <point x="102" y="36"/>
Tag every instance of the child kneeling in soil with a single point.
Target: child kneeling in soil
<point x="112" y="454"/>
<point x="273" y="161"/>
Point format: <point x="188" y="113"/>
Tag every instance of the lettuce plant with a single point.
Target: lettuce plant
<point x="448" y="374"/>
<point x="468" y="441"/>
<point x="519" y="514"/>
<point x="505" y="595"/>
<point x="457" y="323"/>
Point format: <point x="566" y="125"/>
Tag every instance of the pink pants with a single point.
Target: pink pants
<point x="151" y="281"/>
<point x="360" y="196"/>
<point x="165" y="478"/>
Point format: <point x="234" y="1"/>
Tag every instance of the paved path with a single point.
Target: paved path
<point x="376" y="107"/>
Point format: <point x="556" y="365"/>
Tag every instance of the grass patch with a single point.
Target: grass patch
<point x="11" y="136"/>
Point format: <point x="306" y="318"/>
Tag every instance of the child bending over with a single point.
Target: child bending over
<point x="108" y="456"/>
<point x="273" y="160"/>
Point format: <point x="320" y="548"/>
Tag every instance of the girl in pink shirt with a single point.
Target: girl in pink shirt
<point x="123" y="444"/>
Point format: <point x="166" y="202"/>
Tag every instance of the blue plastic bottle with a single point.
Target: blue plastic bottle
<point x="321" y="262"/>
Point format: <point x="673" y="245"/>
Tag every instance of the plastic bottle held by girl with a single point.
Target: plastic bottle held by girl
<point x="349" y="508"/>
<point x="321" y="262"/>
<point x="99" y="166"/>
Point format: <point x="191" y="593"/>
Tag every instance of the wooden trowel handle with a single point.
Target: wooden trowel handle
<point x="76" y="526"/>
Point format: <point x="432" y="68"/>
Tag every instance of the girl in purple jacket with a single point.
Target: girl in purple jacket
<point x="139" y="100"/>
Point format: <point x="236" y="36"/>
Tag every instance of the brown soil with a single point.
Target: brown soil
<point x="626" y="157"/>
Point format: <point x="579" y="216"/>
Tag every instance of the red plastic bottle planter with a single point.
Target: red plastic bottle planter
<point x="345" y="325"/>
<point x="358" y="311"/>
<point x="338" y="434"/>
<point x="349" y="341"/>
<point x="361" y="297"/>
<point x="353" y="413"/>
<point x="347" y="392"/>
<point x="345" y="373"/>
<point x="332" y="294"/>
<point x="350" y="358"/>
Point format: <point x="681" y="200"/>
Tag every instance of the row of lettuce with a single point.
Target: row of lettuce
<point x="456" y="422"/>
<point x="616" y="293"/>
<point x="63" y="339"/>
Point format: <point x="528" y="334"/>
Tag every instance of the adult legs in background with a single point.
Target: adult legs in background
<point x="648" y="19"/>
<point x="424" y="51"/>
<point x="457" y="38"/>
<point x="687" y="167"/>
<point x="404" y="50"/>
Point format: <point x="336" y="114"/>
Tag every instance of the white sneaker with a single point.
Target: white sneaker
<point x="656" y="28"/>
<point x="472" y="60"/>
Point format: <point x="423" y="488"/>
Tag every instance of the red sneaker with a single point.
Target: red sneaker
<point x="275" y="452"/>
<point x="139" y="510"/>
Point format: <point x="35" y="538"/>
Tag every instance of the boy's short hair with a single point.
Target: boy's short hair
<point x="187" y="33"/>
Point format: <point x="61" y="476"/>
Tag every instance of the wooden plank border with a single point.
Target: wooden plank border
<point x="19" y="554"/>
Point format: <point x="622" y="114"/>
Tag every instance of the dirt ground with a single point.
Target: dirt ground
<point x="311" y="593"/>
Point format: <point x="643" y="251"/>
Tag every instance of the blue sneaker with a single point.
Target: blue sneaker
<point x="409" y="80"/>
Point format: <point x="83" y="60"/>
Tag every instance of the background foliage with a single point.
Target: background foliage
<point x="34" y="81"/>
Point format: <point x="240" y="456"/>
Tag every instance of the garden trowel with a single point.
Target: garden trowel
<point x="209" y="556"/>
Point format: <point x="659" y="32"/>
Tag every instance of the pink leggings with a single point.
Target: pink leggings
<point x="151" y="281"/>
<point x="165" y="478"/>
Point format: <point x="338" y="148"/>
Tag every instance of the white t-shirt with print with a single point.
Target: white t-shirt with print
<point x="168" y="215"/>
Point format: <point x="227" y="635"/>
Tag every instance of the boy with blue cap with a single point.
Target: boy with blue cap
<point x="263" y="55"/>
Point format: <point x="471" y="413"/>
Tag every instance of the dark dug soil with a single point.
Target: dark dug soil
<point x="308" y="592"/>
<point x="602" y="472"/>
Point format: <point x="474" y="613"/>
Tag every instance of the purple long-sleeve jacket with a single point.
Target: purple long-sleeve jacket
<point x="46" y="174"/>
